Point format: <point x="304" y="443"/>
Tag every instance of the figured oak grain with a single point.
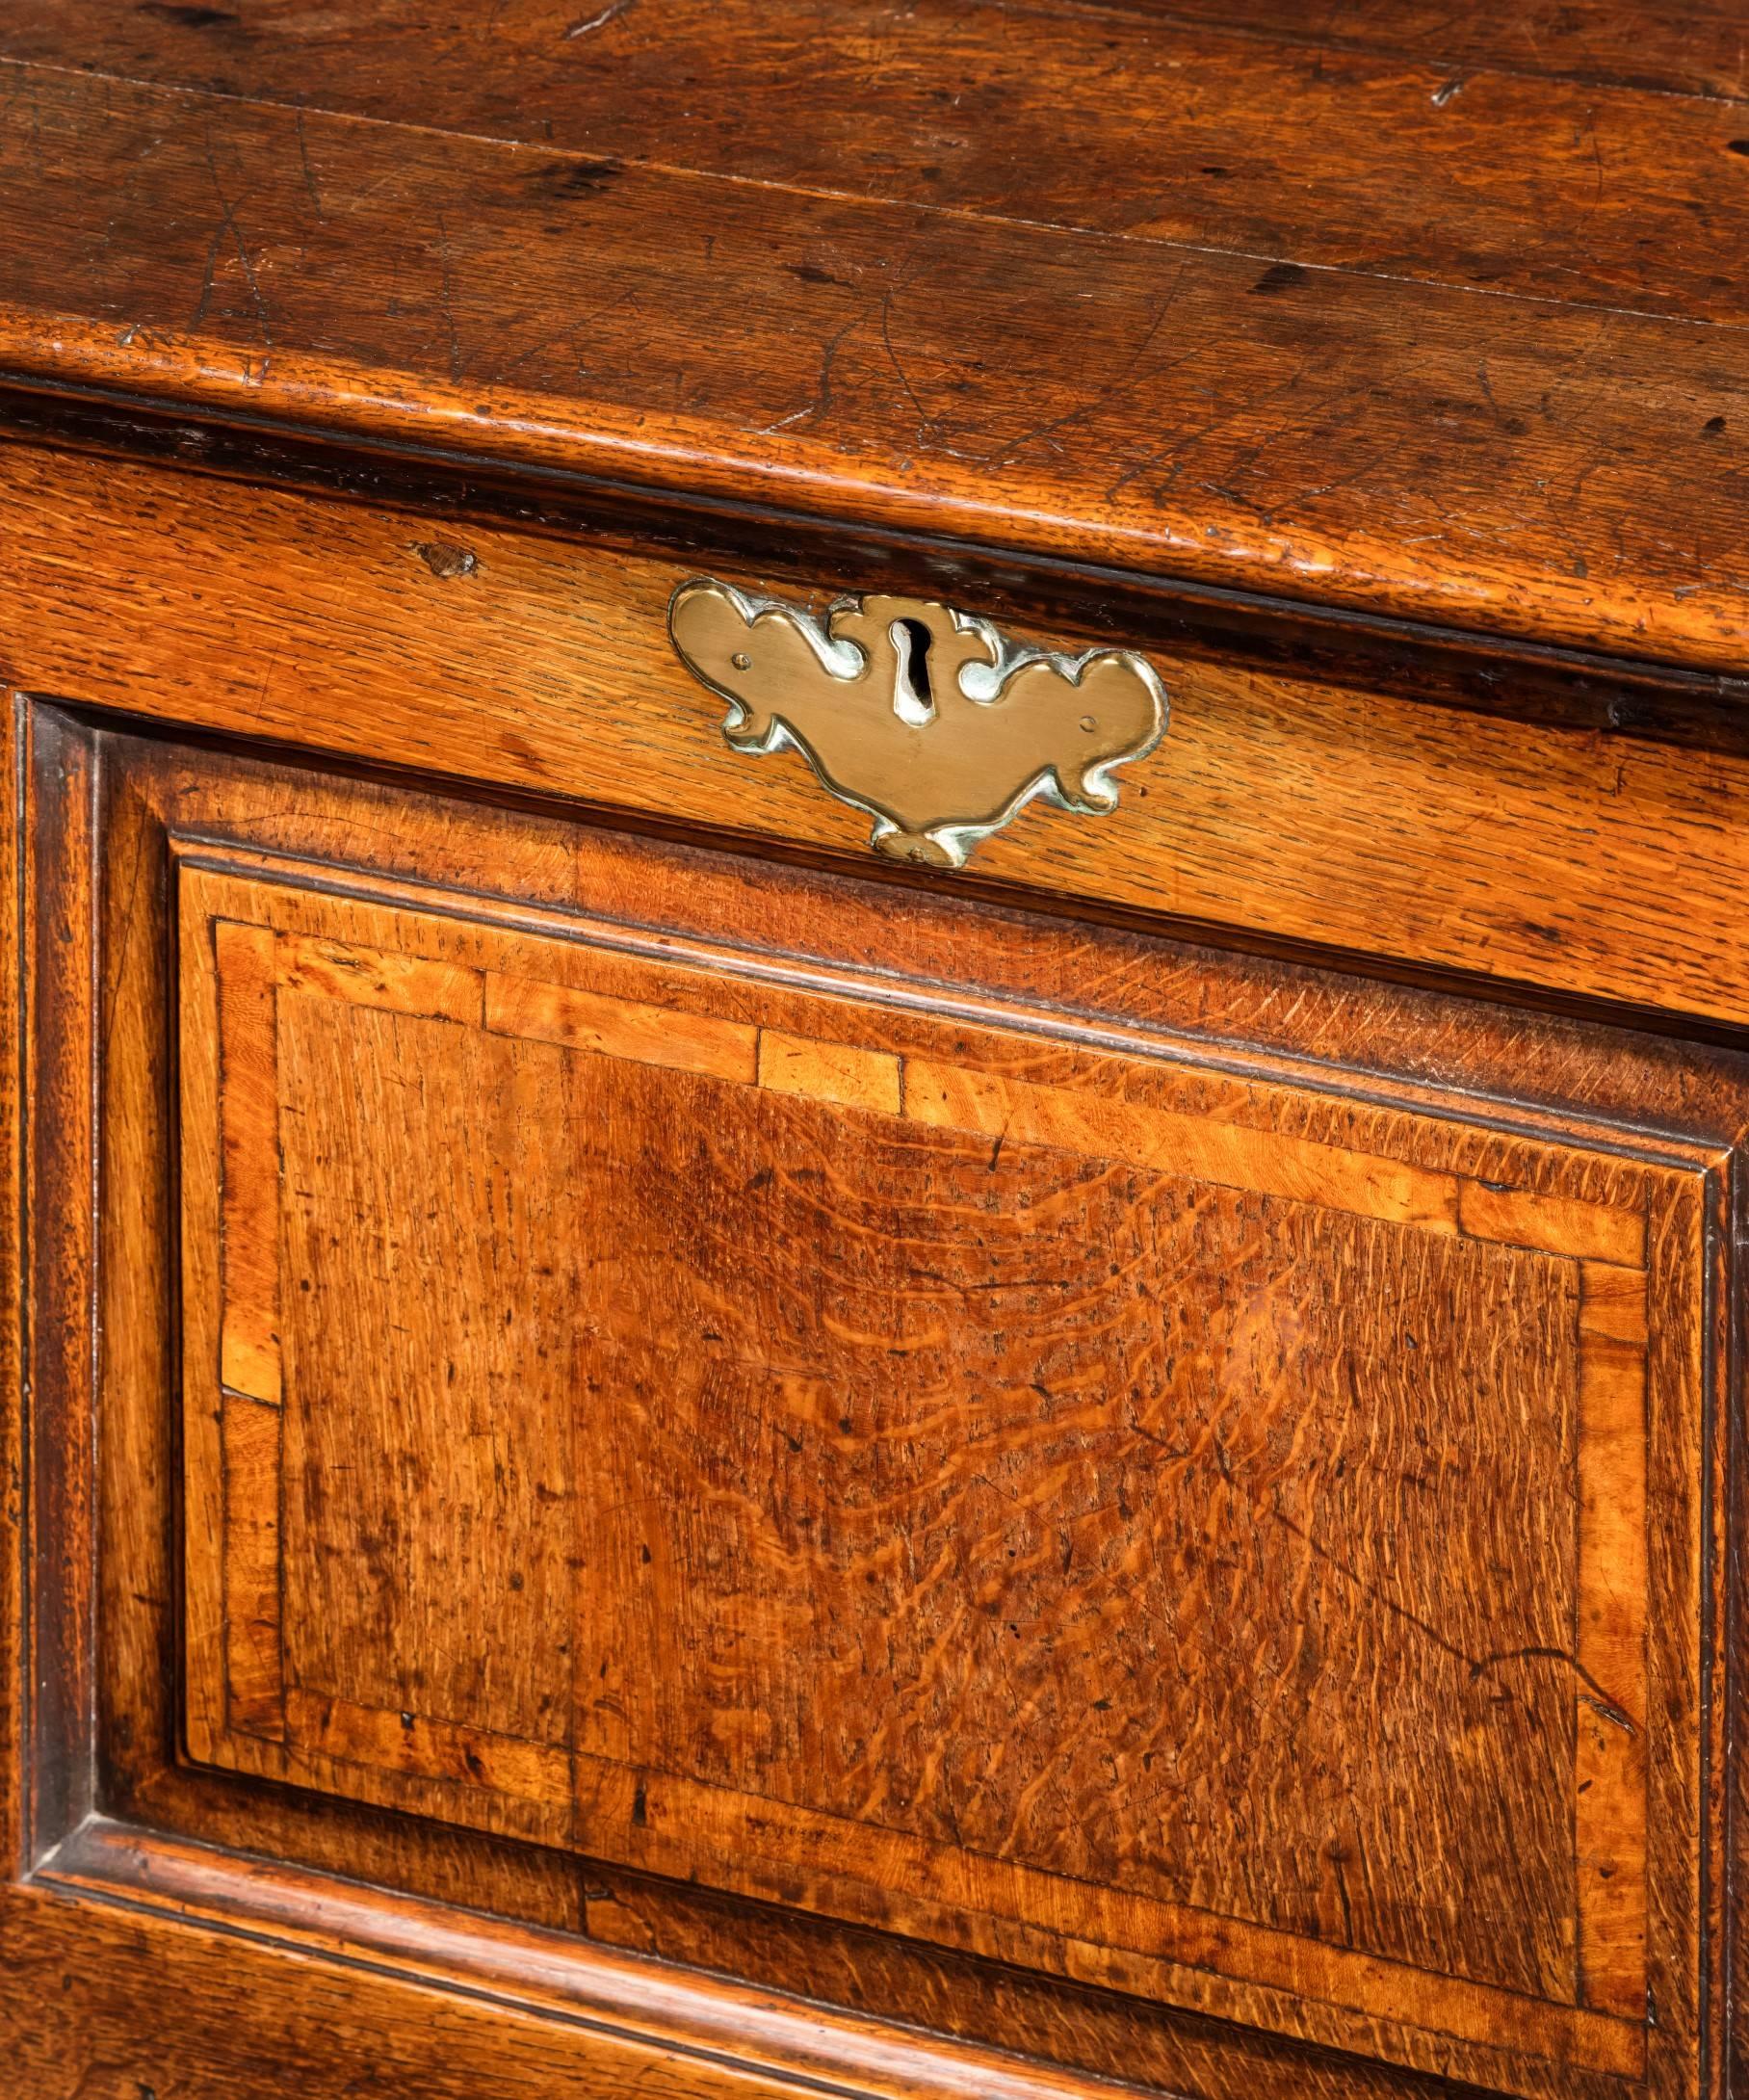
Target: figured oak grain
<point x="1256" y="405"/>
<point x="1280" y="805"/>
<point x="1051" y="1006"/>
<point x="1682" y="46"/>
<point x="784" y="1322"/>
<point x="417" y="1575"/>
<point x="1301" y="149"/>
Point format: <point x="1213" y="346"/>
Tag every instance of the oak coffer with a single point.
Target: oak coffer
<point x="875" y="911"/>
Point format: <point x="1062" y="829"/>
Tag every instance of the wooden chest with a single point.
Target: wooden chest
<point x="871" y="1140"/>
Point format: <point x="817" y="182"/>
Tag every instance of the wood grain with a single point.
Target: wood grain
<point x="1278" y="805"/>
<point x="1243" y="415"/>
<point x="620" y="1028"/>
<point x="1570" y="1109"/>
<point x="366" y="977"/>
<point x="842" y="1073"/>
<point x="1319" y="150"/>
<point x="1586" y="1231"/>
<point x="142" y="1991"/>
<point x="586" y="2014"/>
<point x="1219" y="1153"/>
<point x="746" y="1625"/>
<point x="249" y="1218"/>
<point x="393" y="1739"/>
<point x="1668" y="44"/>
<point x="254" y="1465"/>
<point x="421" y="1565"/>
<point x="52" y="1642"/>
<point x="1610" y="1817"/>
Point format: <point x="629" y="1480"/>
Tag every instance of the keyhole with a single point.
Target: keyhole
<point x="913" y="694"/>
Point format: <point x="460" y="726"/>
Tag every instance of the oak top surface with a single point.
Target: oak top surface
<point x="1412" y="310"/>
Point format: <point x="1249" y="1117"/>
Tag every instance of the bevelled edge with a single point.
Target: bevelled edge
<point x="640" y="2010"/>
<point x="330" y="403"/>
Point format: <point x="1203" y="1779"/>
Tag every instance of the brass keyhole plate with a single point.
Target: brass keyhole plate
<point x="931" y="721"/>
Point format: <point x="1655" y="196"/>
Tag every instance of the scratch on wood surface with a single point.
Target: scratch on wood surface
<point x="600" y="21"/>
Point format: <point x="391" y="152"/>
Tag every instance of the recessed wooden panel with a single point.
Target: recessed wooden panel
<point x="1178" y="1528"/>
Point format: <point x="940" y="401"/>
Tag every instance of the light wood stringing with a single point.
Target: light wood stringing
<point x="1606" y="1241"/>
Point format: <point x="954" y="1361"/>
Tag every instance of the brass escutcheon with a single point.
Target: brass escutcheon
<point x="932" y="722"/>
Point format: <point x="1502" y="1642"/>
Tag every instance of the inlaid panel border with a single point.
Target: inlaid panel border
<point x="251" y="963"/>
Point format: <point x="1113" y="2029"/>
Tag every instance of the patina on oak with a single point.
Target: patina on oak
<point x="1022" y="1347"/>
<point x="900" y="1363"/>
<point x="1051" y="1036"/>
<point x="1087" y="281"/>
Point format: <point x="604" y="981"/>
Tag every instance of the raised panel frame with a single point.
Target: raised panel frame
<point x="256" y="924"/>
<point x="133" y="1863"/>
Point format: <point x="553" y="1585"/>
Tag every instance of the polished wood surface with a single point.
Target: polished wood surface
<point x="709" y="1621"/>
<point x="1278" y="807"/>
<point x="400" y="1623"/>
<point x="1157" y="130"/>
<point x="643" y="1451"/>
<point x="1684" y="49"/>
<point x="1096" y="283"/>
